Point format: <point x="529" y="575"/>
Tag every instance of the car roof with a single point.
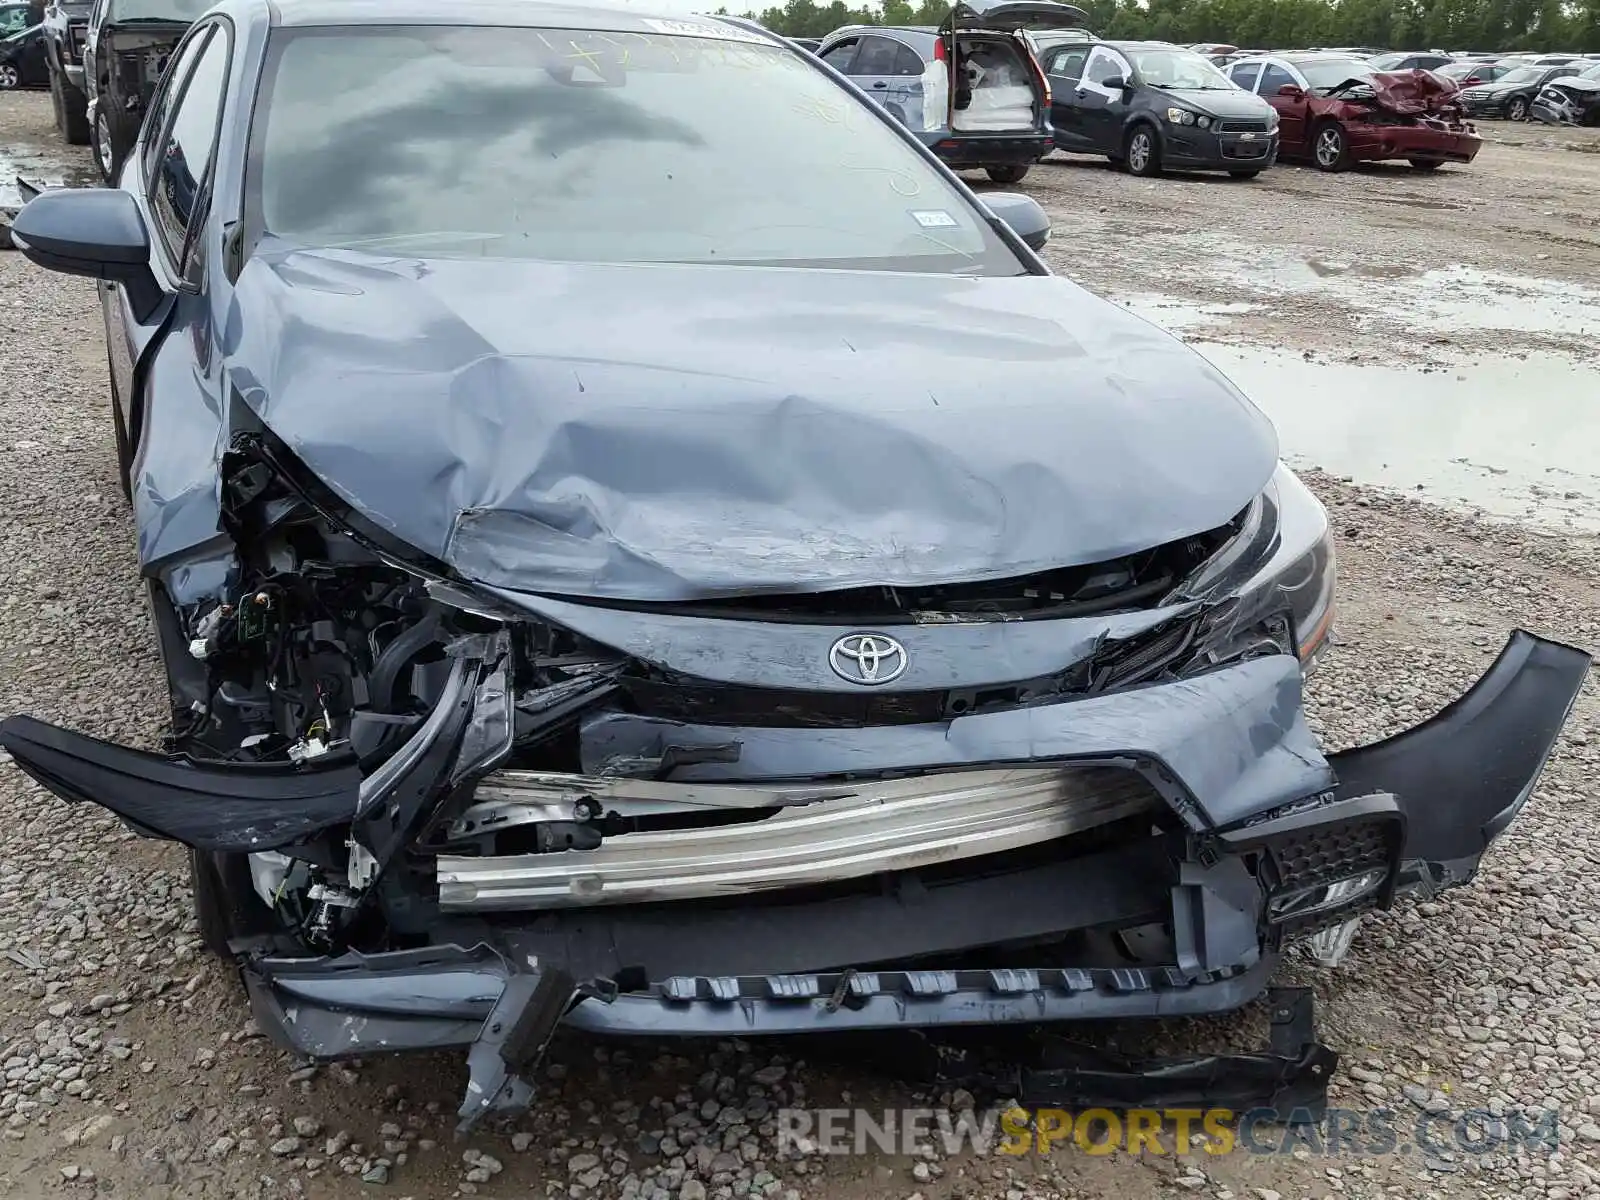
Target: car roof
<point x="535" y="14"/>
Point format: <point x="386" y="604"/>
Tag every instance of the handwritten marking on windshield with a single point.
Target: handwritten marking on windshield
<point x="902" y="183"/>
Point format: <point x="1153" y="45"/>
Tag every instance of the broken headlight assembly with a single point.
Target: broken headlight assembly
<point x="1273" y="582"/>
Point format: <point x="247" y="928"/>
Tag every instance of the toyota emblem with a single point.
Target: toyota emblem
<point x="867" y="658"/>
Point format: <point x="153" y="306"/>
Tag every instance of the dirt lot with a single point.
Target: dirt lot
<point x="1358" y="263"/>
<point x="130" y="1065"/>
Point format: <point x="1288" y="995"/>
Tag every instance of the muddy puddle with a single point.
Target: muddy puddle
<point x="51" y="166"/>
<point x="1458" y="303"/>
<point x="1516" y="439"/>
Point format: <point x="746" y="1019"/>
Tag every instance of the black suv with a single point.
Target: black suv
<point x="66" y="24"/>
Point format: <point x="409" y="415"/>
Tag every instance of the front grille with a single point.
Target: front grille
<point x="1159" y="653"/>
<point x="1242" y="126"/>
<point x="1246" y="150"/>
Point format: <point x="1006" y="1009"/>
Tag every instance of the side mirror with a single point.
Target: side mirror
<point x="1114" y="83"/>
<point x="1022" y="214"/>
<point x="1291" y="91"/>
<point x="96" y="232"/>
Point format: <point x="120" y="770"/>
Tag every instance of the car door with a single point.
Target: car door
<point x="1103" y="110"/>
<point x="1063" y="67"/>
<point x="1292" y="110"/>
<point x="873" y="68"/>
<point x="905" y="89"/>
<point x="30" y="58"/>
<point x="168" y="175"/>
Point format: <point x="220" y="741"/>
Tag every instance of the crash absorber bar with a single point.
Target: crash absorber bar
<point x="800" y="834"/>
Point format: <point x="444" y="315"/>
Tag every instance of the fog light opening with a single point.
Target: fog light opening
<point x="1307" y="901"/>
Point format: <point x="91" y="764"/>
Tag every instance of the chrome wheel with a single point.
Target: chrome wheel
<point x="1139" y="152"/>
<point x="1517" y="110"/>
<point x="8" y="77"/>
<point x="102" y="145"/>
<point x="1330" y="147"/>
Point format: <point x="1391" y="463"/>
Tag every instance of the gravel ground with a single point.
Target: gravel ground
<point x="131" y="1068"/>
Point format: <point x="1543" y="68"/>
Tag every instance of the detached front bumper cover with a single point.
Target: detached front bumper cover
<point x="1411" y="814"/>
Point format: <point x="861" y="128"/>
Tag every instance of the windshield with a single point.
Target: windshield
<point x="594" y="147"/>
<point x="1521" y="75"/>
<point x="1177" y="69"/>
<point x="1331" y="72"/>
<point x="1590" y="72"/>
<point x="179" y="12"/>
<point x="1458" y="70"/>
<point x="1388" y="62"/>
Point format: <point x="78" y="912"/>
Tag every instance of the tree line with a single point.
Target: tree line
<point x="1535" y="25"/>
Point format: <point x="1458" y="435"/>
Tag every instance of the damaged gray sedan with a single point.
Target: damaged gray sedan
<point x="635" y="542"/>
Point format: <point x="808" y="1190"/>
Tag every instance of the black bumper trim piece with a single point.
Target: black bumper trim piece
<point x="1462" y="775"/>
<point x="243" y="807"/>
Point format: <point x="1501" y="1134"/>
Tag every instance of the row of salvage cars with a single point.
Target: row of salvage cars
<point x="1002" y="84"/>
<point x="1569" y="100"/>
<point x="776" y="606"/>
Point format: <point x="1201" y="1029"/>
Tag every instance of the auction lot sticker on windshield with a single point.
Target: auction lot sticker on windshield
<point x="935" y="218"/>
<point x="704" y="29"/>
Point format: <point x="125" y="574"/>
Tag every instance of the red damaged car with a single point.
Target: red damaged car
<point x="1336" y="110"/>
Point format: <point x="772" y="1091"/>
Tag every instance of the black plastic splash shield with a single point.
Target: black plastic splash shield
<point x="1289" y="1079"/>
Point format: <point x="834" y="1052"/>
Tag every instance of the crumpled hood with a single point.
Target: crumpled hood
<point x="665" y="432"/>
<point x="1413" y="93"/>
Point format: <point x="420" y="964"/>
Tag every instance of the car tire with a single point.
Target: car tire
<point x="225" y="904"/>
<point x="71" y="108"/>
<point x="1244" y="174"/>
<point x="1426" y="164"/>
<point x="1008" y="173"/>
<point x="110" y="147"/>
<point x="1141" y="151"/>
<point x="10" y="77"/>
<point x="1517" y="108"/>
<point x="1330" y="148"/>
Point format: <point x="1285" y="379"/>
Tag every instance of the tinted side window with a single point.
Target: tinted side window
<point x="876" y="57"/>
<point x="1273" y="78"/>
<point x="1245" y="75"/>
<point x="839" y="56"/>
<point x="155" y="122"/>
<point x="1067" y="63"/>
<point x="907" y="61"/>
<point x="185" y="152"/>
